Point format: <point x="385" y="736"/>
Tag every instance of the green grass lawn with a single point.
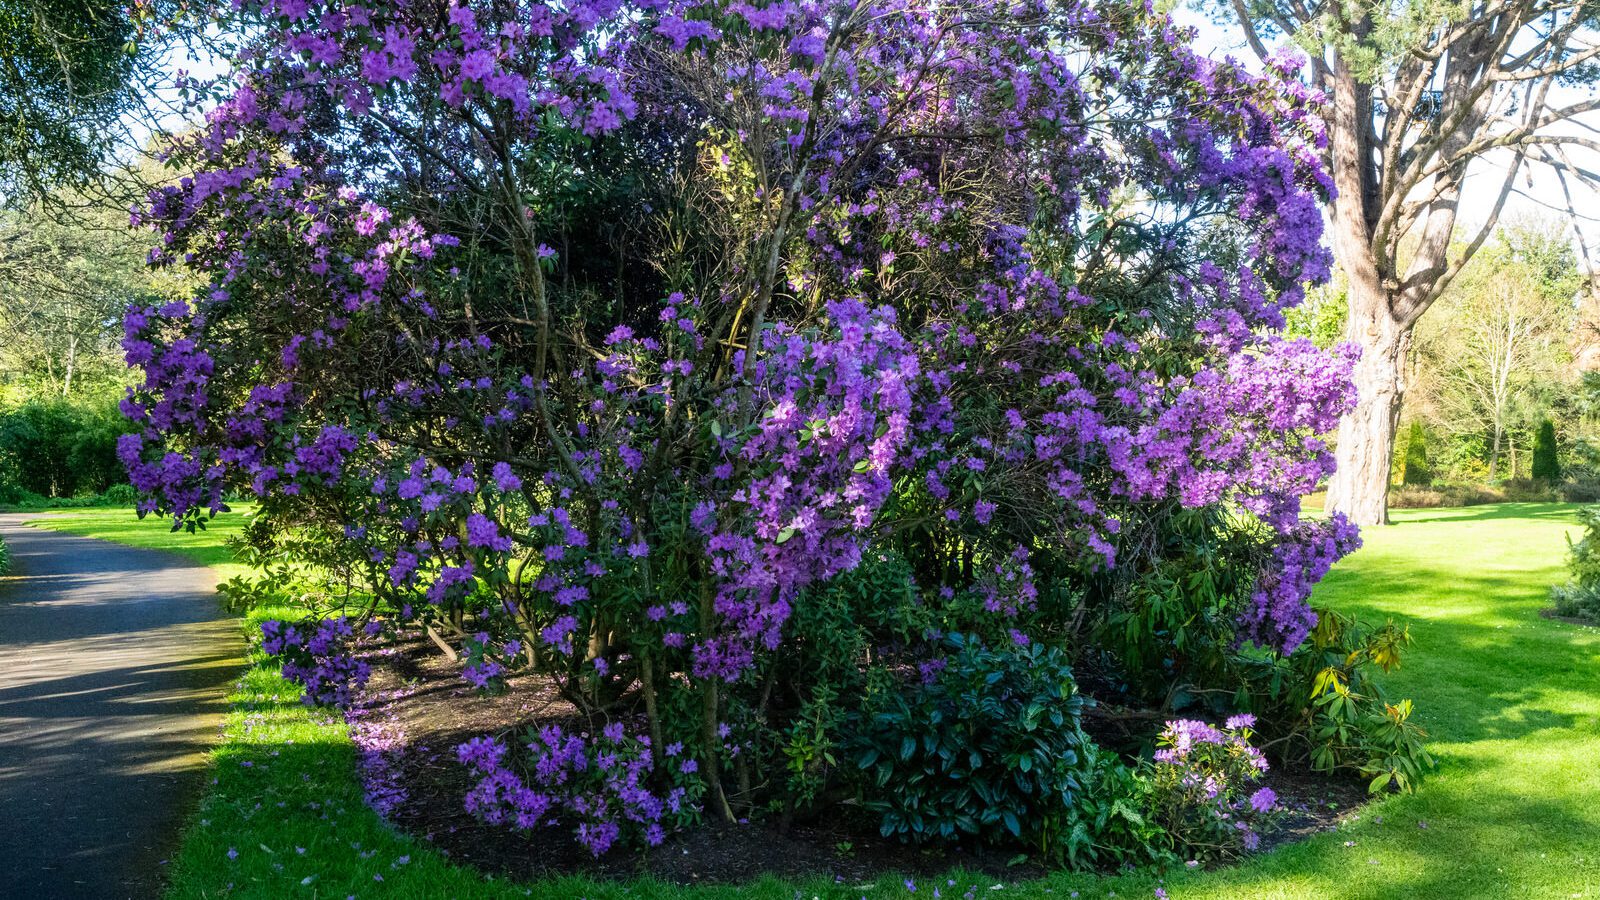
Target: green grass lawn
<point x="1512" y="701"/>
<point x="121" y="525"/>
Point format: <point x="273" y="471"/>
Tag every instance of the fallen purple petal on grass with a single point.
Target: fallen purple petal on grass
<point x="379" y="741"/>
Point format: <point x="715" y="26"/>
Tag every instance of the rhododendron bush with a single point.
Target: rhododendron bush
<point x="599" y="338"/>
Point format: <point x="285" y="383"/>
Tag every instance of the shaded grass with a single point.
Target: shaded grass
<point x="1512" y="701"/>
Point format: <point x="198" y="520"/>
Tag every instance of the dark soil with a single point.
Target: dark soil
<point x="423" y="694"/>
<point x="1311" y="804"/>
<point x="1554" y="616"/>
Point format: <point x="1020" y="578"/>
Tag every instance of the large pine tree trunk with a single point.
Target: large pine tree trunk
<point x="1360" y="486"/>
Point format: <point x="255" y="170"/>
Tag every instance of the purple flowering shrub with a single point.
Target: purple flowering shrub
<point x="1203" y="788"/>
<point x="598" y="338"/>
<point x="316" y="654"/>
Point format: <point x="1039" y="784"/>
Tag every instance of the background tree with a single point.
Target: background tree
<point x="1321" y="317"/>
<point x="1422" y="96"/>
<point x="84" y="83"/>
<point x="1500" y="340"/>
<point x="57" y="448"/>
<point x="1546" y="458"/>
<point x="70" y="265"/>
<point x="1417" y="470"/>
<point x="64" y="283"/>
<point x="63" y="83"/>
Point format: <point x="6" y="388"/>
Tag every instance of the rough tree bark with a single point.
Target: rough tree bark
<point x="1365" y="443"/>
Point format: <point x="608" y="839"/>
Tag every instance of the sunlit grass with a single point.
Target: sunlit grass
<point x="123" y="525"/>
<point x="1512" y="701"/>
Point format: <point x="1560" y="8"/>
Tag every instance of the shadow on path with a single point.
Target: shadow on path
<point x="114" y="663"/>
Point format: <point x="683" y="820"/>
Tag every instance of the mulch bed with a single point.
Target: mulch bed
<point x="1554" y="616"/>
<point x="1310" y="804"/>
<point x="422" y="696"/>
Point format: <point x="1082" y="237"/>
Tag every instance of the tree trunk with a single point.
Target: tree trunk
<point x="1365" y="449"/>
<point x="72" y="361"/>
<point x="1494" y="454"/>
<point x="1359" y="488"/>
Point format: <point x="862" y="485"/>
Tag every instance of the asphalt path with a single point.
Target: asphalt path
<point x="114" y="663"/>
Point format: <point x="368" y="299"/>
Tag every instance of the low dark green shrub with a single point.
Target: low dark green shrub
<point x="1579" y="490"/>
<point x="1576" y="601"/>
<point x="1528" y="490"/>
<point x="1512" y="490"/>
<point x="59" y="448"/>
<point x="121" y="494"/>
<point x="28" y="500"/>
<point x="987" y="745"/>
<point x="1515" y="490"/>
<point x="871" y="611"/>
<point x="5" y="558"/>
<point x="1441" y="495"/>
<point x="1580" y="597"/>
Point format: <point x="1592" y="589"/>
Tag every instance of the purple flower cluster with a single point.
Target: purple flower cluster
<point x="1279" y="613"/>
<point x="1202" y="781"/>
<point x="318" y="657"/>
<point x="600" y="786"/>
<point x="488" y="663"/>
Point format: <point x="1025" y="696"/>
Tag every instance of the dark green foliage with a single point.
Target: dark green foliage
<point x="63" y="85"/>
<point x="871" y="610"/>
<point x="1577" y="601"/>
<point x="1322" y="706"/>
<point x="1580" y="597"/>
<point x="1580" y="490"/>
<point x="58" y="449"/>
<point x="1110" y="824"/>
<point x="1173" y="618"/>
<point x="119" y="494"/>
<point x="1546" y="458"/>
<point x="1417" y="470"/>
<point x="989" y="748"/>
<point x="5" y="558"/>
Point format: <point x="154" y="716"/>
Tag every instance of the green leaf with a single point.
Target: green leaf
<point x="1012" y="825"/>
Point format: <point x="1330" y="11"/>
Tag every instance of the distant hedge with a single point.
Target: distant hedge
<point x="58" y="448"/>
